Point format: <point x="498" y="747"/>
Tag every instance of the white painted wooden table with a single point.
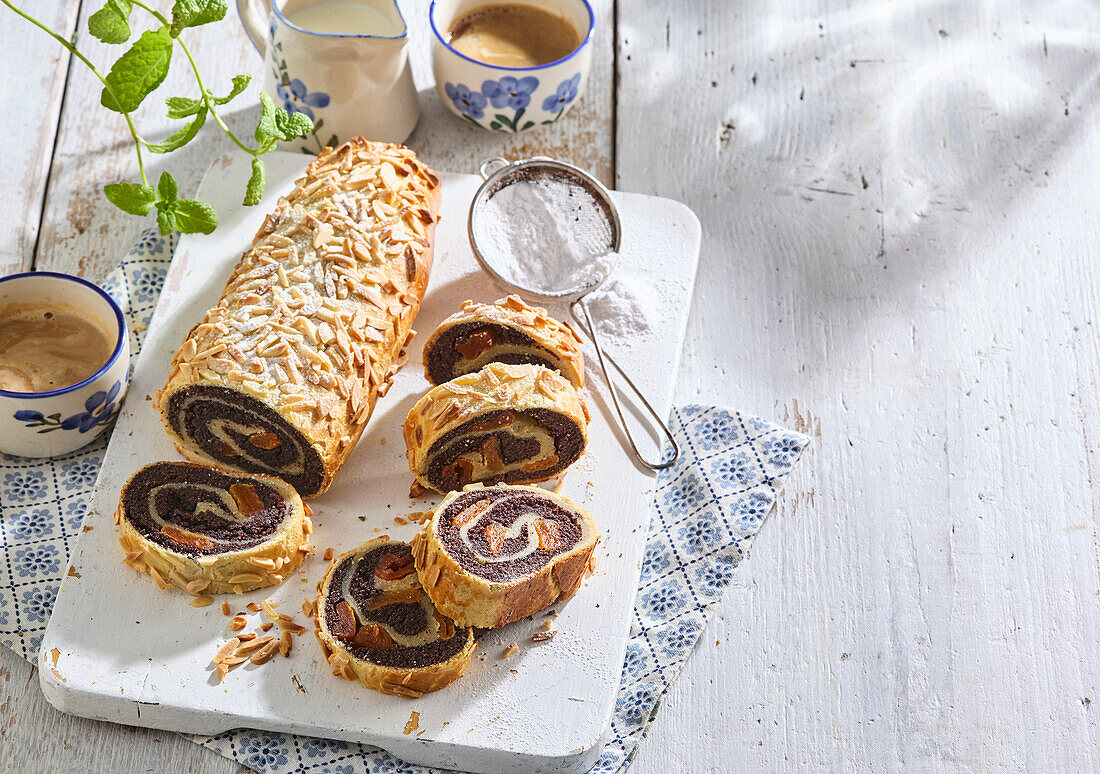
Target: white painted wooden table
<point x="899" y="206"/>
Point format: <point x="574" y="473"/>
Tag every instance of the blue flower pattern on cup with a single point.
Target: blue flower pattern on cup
<point x="299" y="99"/>
<point x="658" y="644"/>
<point x="469" y="103"/>
<point x="510" y="92"/>
<point x="99" y="409"/>
<point x="566" y="93"/>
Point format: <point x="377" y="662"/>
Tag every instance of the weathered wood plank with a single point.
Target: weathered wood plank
<point x="32" y="103"/>
<point x="899" y="256"/>
<point x="36" y="739"/>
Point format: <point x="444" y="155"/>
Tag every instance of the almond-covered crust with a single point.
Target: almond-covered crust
<point x="315" y="317"/>
<point x="557" y="342"/>
<point x="471" y="600"/>
<point x="522" y="390"/>
<point x="233" y="572"/>
<point x="408" y="682"/>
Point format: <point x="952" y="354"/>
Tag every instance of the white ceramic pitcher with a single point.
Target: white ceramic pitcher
<point x="349" y="84"/>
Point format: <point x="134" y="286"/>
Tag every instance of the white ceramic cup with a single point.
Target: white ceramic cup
<point x="349" y="84"/>
<point x="49" y="424"/>
<point x="510" y="99"/>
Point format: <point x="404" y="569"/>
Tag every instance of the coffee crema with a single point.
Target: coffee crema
<point x="48" y="347"/>
<point x="513" y="35"/>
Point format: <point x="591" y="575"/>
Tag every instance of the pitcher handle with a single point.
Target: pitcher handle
<point x="255" y="22"/>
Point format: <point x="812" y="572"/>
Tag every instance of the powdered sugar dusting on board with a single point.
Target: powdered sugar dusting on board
<point x="545" y="235"/>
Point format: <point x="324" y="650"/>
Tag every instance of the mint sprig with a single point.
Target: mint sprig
<point x="138" y="72"/>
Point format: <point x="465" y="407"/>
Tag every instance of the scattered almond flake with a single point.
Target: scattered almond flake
<point x="269" y="609"/>
<point x="413" y="724"/>
<point x="238" y="623"/>
<point x="543" y="636"/>
<point x="226" y="649"/>
<point x="286" y="642"/>
<point x="399" y="520"/>
<point x="307" y="607"/>
<point x="246" y="636"/>
<point x="329" y="553"/>
<point x="266" y="627"/>
<point x="511" y="650"/>
<point x="225" y="609"/>
<point x="251" y="645"/>
<point x="203" y="601"/>
<point x="262" y="655"/>
<point x="253" y="607"/>
<point x="222" y="670"/>
<point x="232" y="661"/>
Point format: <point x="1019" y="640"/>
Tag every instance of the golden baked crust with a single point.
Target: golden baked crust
<point x="471" y="600"/>
<point x="315" y="317"/>
<point x="554" y="341"/>
<point x="500" y="390"/>
<point x="233" y="572"/>
<point x="410" y="682"/>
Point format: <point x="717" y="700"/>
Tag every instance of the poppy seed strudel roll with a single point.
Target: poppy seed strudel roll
<point x="210" y="532"/>
<point x="506" y="331"/>
<point x="281" y="376"/>
<point x="515" y="424"/>
<point x="377" y="626"/>
<point x="493" y="555"/>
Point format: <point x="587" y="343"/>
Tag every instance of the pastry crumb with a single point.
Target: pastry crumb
<point x="511" y="650"/>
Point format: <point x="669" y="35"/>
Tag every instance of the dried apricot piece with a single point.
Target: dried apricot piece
<point x="471" y="512"/>
<point x="265" y="441"/>
<point x="495" y="534"/>
<point x="372" y="636"/>
<point x="244" y="495"/>
<point x="393" y="567"/>
<point x="549" y="534"/>
<point x="344" y="626"/>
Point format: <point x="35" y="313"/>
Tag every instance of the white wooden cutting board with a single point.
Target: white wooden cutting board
<point x="119" y="649"/>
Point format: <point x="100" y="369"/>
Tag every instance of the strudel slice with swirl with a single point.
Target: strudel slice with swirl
<point x="493" y="555"/>
<point x="211" y="532"/>
<point x="516" y="424"/>
<point x="506" y="331"/>
<point x="282" y="374"/>
<point x="378" y="627"/>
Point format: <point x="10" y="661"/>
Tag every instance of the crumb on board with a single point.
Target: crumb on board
<point x="329" y="553"/>
<point x="412" y="724"/>
<point x="511" y="650"/>
<point x="225" y="609"/>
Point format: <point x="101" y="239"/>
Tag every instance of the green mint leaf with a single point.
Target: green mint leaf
<point x="266" y="130"/>
<point x="182" y="107"/>
<point x="193" y="13"/>
<point x="138" y="72"/>
<point x="195" y="217"/>
<point x="292" y="125"/>
<point x="134" y="198"/>
<point x="256" y="183"/>
<point x="111" y="23"/>
<point x="240" y="83"/>
<point x="167" y="189"/>
<point x="166" y="217"/>
<point x="180" y="137"/>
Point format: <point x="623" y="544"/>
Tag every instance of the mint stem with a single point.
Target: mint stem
<point x="198" y="78"/>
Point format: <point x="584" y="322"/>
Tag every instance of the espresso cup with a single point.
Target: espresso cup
<point x="510" y="99"/>
<point x="56" y="422"/>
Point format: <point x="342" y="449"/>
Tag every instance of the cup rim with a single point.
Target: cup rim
<point x="566" y="58"/>
<point x="404" y="33"/>
<point x="105" y="367"/>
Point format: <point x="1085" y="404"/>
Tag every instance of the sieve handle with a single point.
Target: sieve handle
<point x="489" y="166"/>
<point x="590" y="330"/>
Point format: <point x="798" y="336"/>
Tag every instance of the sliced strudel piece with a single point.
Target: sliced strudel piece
<point x="282" y="374"/>
<point x="507" y="331"/>
<point x="516" y="424"/>
<point x="211" y="532"/>
<point x="376" y="625"/>
<point x="493" y="555"/>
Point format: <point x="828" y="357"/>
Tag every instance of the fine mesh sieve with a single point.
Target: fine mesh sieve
<point x="554" y="233"/>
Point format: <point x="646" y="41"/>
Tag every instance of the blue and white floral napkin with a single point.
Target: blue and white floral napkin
<point x="706" y="510"/>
